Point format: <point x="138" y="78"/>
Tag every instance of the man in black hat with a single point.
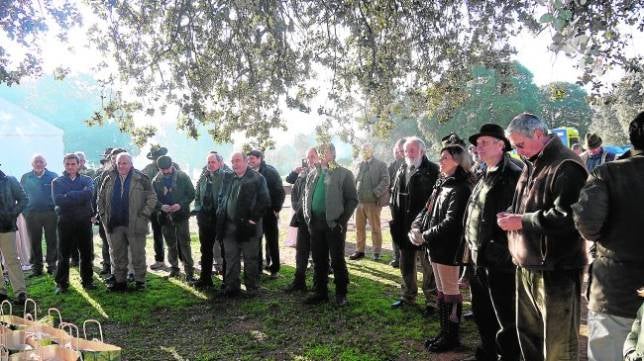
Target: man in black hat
<point x="595" y="155"/>
<point x="493" y="283"/>
<point x="151" y="171"/>
<point x="270" y="218"/>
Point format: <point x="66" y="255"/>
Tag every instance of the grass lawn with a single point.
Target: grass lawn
<point x="172" y="321"/>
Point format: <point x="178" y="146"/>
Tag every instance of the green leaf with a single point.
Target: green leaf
<point x="546" y="18"/>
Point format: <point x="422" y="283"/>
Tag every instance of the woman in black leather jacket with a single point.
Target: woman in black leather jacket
<point x="439" y="227"/>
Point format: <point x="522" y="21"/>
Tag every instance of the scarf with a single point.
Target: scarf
<point x="120" y="202"/>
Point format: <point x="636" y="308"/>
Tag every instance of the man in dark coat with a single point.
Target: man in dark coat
<point x="271" y="217"/>
<point x="242" y="203"/>
<point x="303" y="244"/>
<point x="12" y="201"/>
<point x="493" y="281"/>
<point x="392" y="168"/>
<point x="412" y="186"/>
<point x="72" y="193"/>
<point x="544" y="244"/>
<point x="607" y="214"/>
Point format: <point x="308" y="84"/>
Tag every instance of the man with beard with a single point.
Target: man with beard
<point x="412" y="186"/>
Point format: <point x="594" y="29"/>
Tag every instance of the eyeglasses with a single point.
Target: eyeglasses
<point x="484" y="143"/>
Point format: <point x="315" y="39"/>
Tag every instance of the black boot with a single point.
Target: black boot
<point x="450" y="339"/>
<point x="443" y="314"/>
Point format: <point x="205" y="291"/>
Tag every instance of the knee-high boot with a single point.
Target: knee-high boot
<point x="443" y="314"/>
<point x="450" y="333"/>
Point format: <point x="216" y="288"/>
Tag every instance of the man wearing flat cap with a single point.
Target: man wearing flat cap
<point x="493" y="281"/>
<point x="175" y="192"/>
<point x="109" y="166"/>
<point x="595" y="155"/>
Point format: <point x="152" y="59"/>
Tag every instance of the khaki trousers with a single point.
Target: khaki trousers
<point x="368" y="212"/>
<point x="16" y="277"/>
<point x="125" y="246"/>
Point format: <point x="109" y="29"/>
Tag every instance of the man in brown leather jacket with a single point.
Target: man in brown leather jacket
<point x="544" y="243"/>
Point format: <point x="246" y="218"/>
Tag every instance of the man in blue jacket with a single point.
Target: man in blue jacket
<point x="12" y="201"/>
<point x="72" y="193"/>
<point x="40" y="214"/>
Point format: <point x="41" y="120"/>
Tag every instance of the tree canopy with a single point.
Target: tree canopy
<point x="234" y="65"/>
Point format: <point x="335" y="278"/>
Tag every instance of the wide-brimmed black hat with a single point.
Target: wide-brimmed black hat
<point x="106" y="155"/>
<point x="156" y="151"/>
<point x="492" y="130"/>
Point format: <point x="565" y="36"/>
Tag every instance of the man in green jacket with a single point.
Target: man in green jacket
<point x="125" y="203"/>
<point x="175" y="192"/>
<point x="206" y="198"/>
<point x="330" y="197"/>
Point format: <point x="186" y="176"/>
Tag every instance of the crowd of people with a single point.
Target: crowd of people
<point x="517" y="223"/>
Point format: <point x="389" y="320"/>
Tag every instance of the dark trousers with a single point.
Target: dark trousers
<point x="327" y="242"/>
<point x="36" y="223"/>
<point x="157" y="235"/>
<point x="409" y="273"/>
<point x="105" y="247"/>
<point x="302" y="252"/>
<point x="493" y="304"/>
<point x="548" y="314"/>
<point x="272" y="247"/>
<point x="207" y="240"/>
<point x="75" y="236"/>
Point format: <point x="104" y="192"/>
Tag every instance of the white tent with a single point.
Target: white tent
<point x="22" y="135"/>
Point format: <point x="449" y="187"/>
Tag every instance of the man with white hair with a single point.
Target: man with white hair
<point x="40" y="215"/>
<point x="206" y="197"/>
<point x="125" y="202"/>
<point x="412" y="186"/>
<point x="244" y="200"/>
<point x="544" y="244"/>
<point x="372" y="184"/>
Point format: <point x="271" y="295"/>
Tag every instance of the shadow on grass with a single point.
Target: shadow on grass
<point x="172" y="321"/>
